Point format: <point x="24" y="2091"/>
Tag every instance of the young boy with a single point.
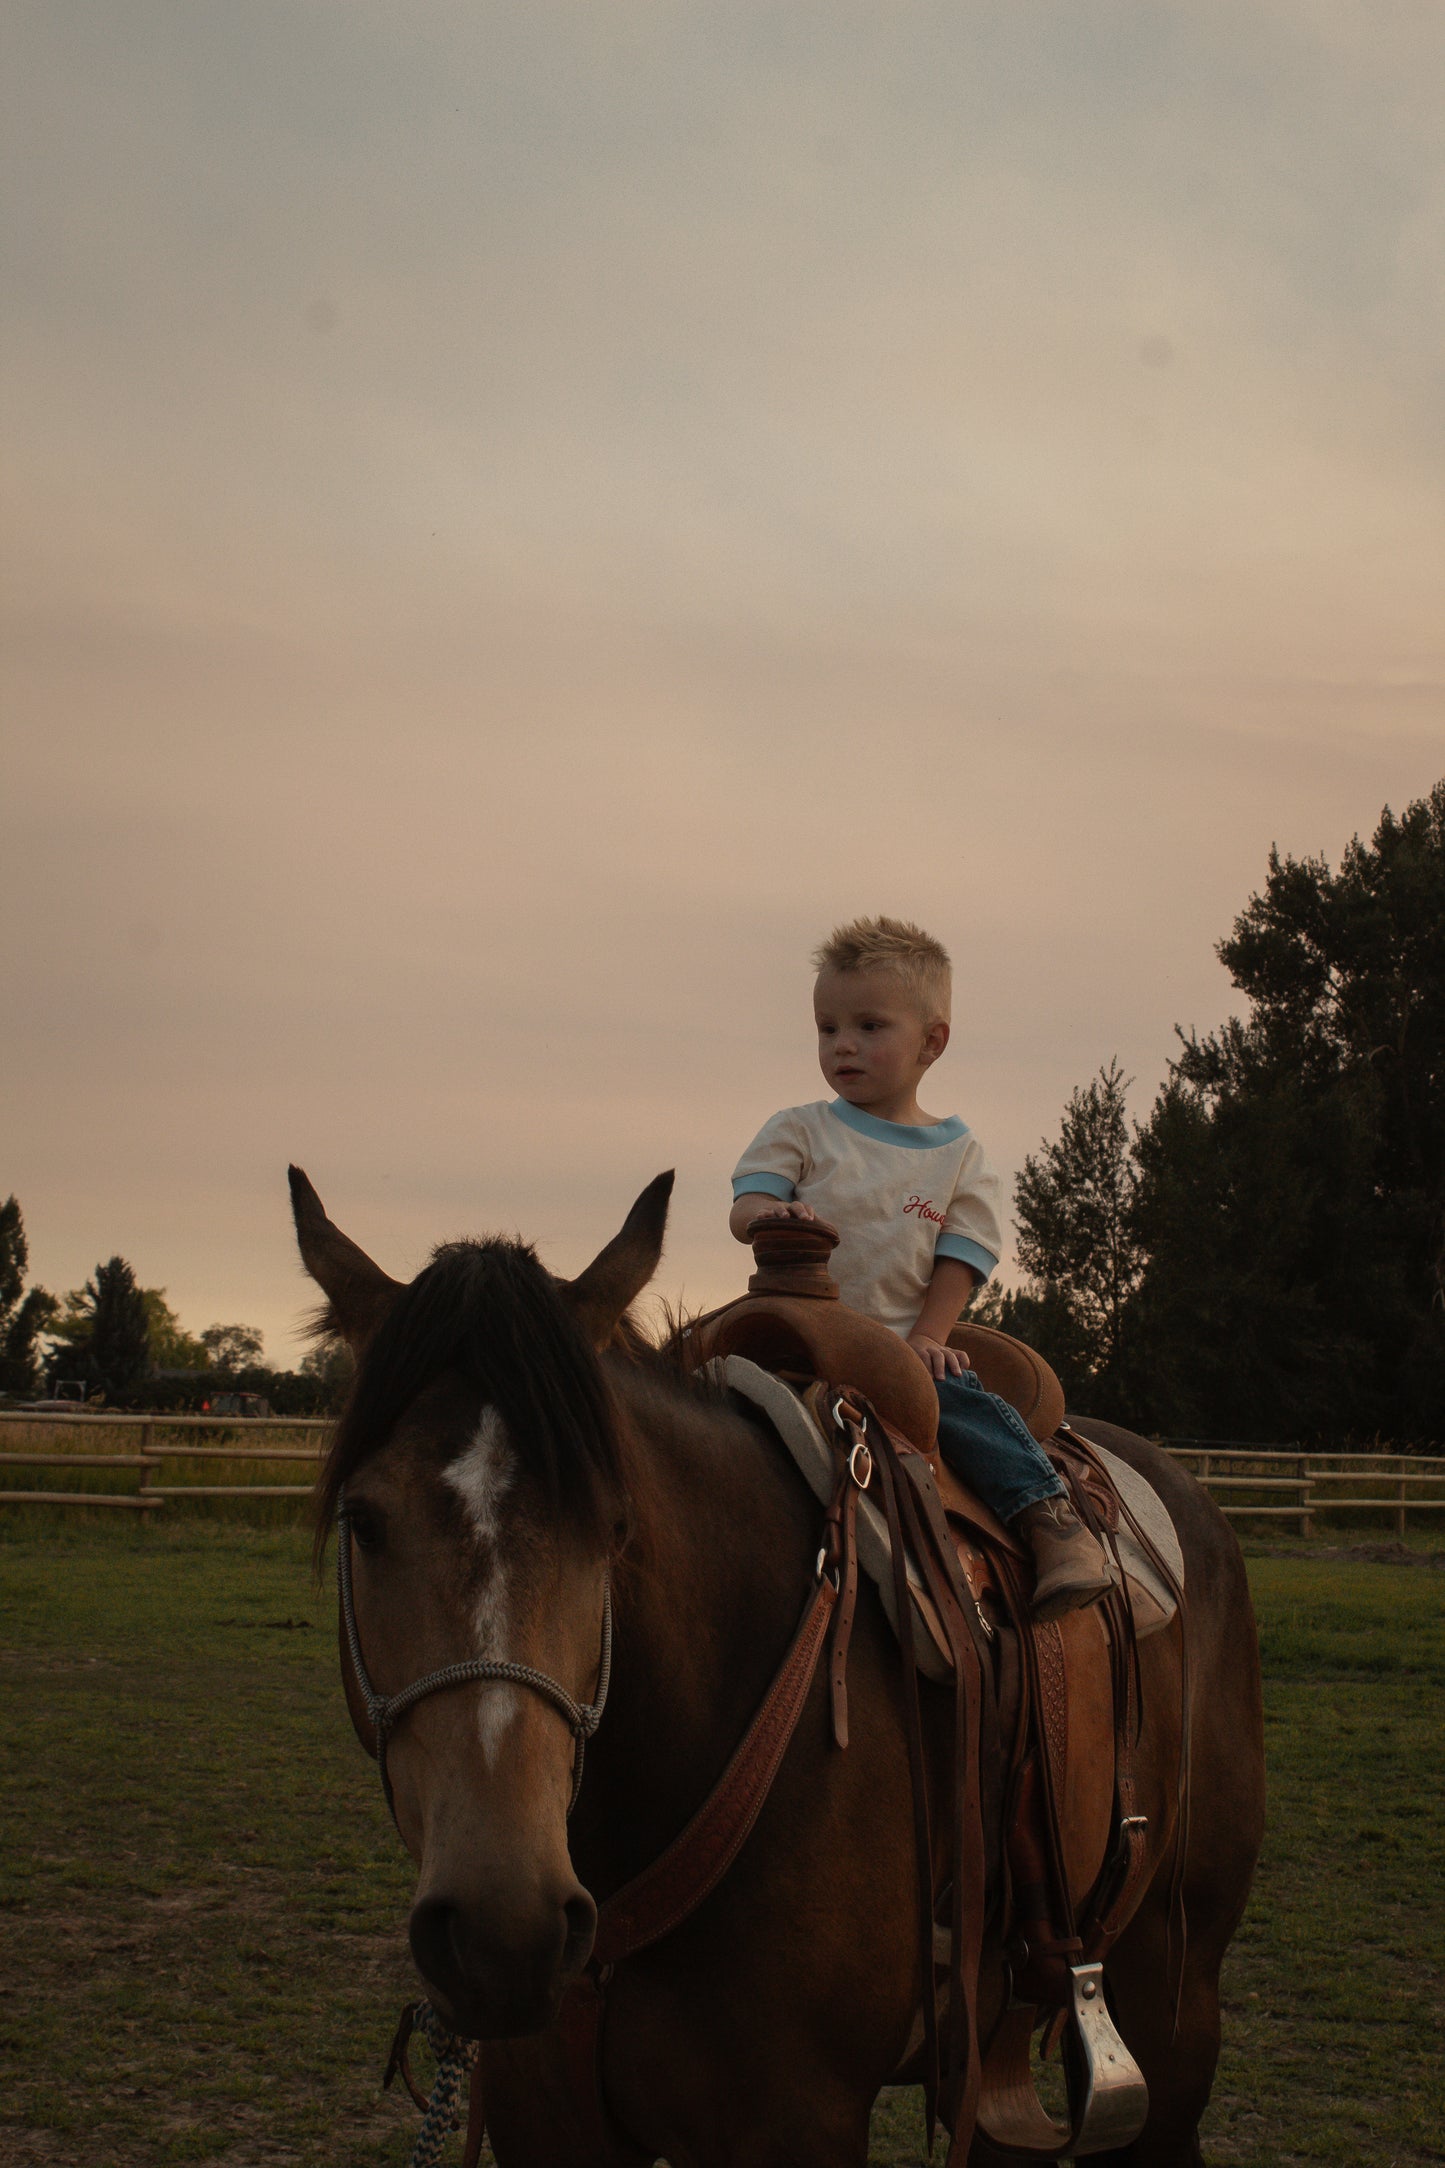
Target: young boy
<point x="916" y="1206"/>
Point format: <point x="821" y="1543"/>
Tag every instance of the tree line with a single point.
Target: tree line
<point x="1262" y="1257"/>
<point x="126" y="1345"/>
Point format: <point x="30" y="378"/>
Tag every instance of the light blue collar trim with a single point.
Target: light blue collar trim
<point x="912" y="1136"/>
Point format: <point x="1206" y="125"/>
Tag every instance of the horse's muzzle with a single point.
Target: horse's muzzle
<point x="494" y="1974"/>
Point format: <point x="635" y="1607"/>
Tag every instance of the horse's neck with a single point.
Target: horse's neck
<point x="706" y="1600"/>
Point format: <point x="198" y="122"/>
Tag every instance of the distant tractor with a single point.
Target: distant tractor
<point x="245" y="1404"/>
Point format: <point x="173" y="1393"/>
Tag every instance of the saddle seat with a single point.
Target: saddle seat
<point x="791" y="1322"/>
<point x="792" y="1325"/>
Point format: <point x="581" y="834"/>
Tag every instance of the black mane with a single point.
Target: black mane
<point x="490" y="1311"/>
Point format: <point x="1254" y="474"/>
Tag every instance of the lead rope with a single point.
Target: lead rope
<point x="441" y="2109"/>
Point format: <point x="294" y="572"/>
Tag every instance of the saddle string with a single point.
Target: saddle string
<point x="927" y="1534"/>
<point x="886" y="1462"/>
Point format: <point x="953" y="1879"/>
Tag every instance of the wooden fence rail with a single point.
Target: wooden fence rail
<point x="38" y="1418"/>
<point x="152" y="1452"/>
<point x="1320" y="1482"/>
<point x="1251" y="1482"/>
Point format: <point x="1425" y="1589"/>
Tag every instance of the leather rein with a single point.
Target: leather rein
<point x="384" y="1710"/>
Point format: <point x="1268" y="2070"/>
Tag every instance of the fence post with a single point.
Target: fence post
<point x="1307" y="1519"/>
<point x="1400" y="1516"/>
<point x="149" y="1469"/>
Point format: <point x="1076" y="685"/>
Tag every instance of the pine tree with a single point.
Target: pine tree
<point x="14" y="1255"/>
<point x="118" y="1349"/>
<point x="23" y="1317"/>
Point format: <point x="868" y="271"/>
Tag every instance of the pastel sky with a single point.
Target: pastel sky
<point x="518" y="518"/>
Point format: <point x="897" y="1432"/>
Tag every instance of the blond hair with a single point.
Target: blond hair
<point x="897" y="945"/>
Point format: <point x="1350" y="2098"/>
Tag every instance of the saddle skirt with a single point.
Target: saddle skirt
<point x="974" y="1528"/>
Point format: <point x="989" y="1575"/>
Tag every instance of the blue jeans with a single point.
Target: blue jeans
<point x="986" y="1442"/>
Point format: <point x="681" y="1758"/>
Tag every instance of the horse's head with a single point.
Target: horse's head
<point x="476" y="1468"/>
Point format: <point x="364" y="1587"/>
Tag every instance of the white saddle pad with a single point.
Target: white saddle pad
<point x="1150" y="1511"/>
<point x="814" y="1458"/>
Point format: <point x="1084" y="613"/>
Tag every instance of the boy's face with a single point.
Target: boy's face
<point x="874" y="1041"/>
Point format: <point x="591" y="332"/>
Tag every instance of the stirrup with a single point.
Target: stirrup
<point x="1115" y="2098"/>
<point x="1108" y="2098"/>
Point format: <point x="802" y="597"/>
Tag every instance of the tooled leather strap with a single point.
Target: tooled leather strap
<point x="1063" y="1942"/>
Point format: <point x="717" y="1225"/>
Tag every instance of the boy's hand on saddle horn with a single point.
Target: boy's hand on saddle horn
<point x="751" y="1206"/>
<point x="939" y="1361"/>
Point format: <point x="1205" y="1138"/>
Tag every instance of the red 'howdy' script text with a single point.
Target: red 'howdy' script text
<point x="923" y="1206"/>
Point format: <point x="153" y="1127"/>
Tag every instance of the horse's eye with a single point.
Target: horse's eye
<point x="366" y="1527"/>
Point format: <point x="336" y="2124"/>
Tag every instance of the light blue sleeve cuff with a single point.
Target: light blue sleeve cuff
<point x="763" y="1185"/>
<point x="967" y="1252"/>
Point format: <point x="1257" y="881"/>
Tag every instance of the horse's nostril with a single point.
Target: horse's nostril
<point x="432" y="1938"/>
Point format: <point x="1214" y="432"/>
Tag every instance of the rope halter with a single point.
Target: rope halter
<point x="385" y="1710"/>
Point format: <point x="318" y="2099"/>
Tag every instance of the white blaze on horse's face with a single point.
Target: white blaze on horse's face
<point x="481" y="1476"/>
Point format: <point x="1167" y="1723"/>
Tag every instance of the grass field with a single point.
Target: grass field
<point x="202" y="1902"/>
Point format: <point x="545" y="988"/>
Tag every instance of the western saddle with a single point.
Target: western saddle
<point x="1049" y="1856"/>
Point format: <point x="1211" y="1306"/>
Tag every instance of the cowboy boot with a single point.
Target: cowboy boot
<point x="1070" y="1566"/>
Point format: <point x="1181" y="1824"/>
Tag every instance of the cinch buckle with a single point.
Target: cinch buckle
<point x="860" y="1464"/>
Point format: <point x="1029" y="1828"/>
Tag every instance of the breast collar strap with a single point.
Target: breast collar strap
<point x="384" y="1710"/>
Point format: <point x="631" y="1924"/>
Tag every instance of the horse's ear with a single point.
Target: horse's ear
<point x="618" y="1274"/>
<point x="358" y="1293"/>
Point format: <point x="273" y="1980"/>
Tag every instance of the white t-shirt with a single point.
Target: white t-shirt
<point x="899" y="1196"/>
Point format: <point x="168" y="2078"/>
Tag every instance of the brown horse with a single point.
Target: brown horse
<point x="526" y="1484"/>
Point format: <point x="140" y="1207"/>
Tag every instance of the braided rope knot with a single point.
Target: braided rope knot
<point x="456" y="2058"/>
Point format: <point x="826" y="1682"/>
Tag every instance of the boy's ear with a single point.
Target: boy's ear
<point x="618" y="1274"/>
<point x="358" y="1293"/>
<point x="936" y="1038"/>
